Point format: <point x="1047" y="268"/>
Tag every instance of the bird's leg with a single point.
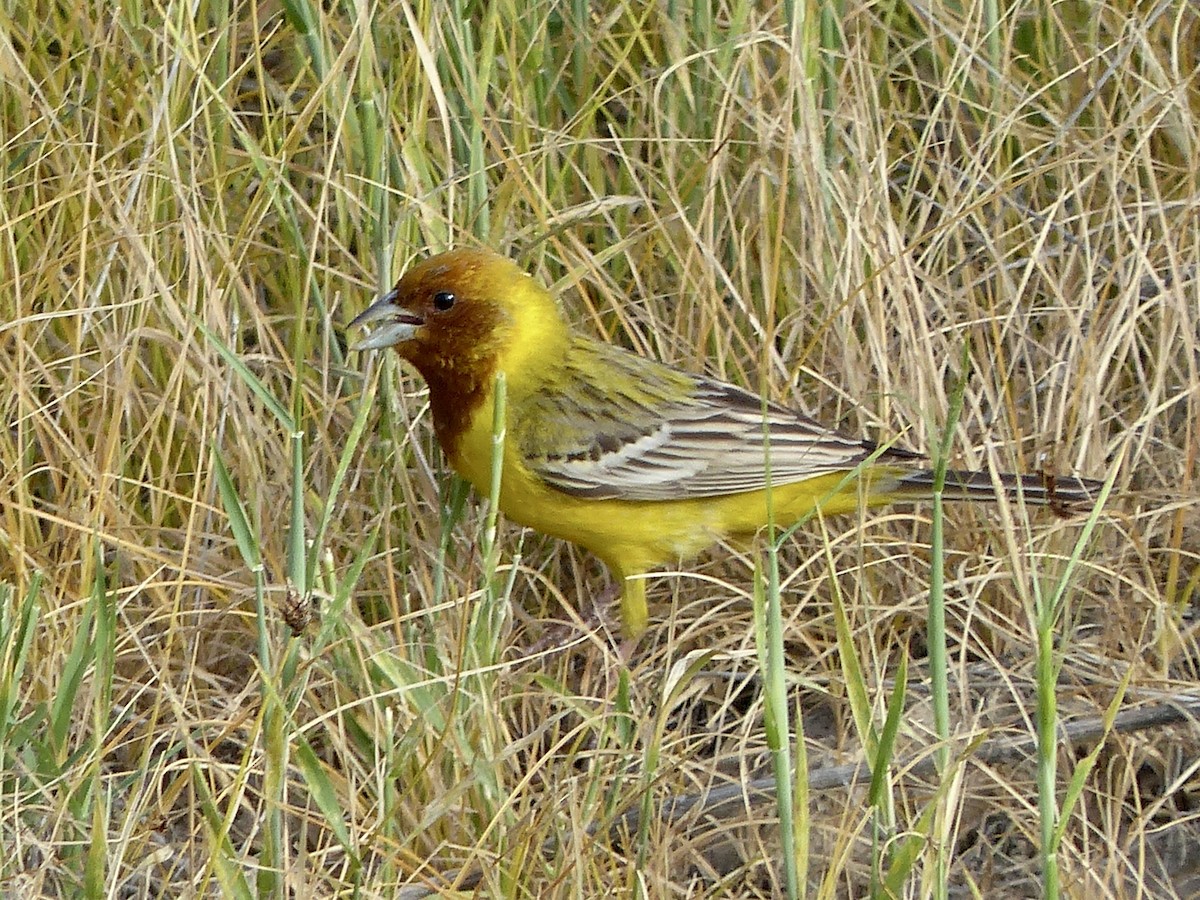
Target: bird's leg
<point x="634" y="615"/>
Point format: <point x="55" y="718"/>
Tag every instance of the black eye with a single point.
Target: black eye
<point x="443" y="300"/>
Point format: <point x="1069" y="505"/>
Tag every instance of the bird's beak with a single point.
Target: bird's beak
<point x="392" y="324"/>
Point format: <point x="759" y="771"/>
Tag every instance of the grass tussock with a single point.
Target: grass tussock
<point x="253" y="641"/>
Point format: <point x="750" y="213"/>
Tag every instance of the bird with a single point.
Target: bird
<point x="640" y="463"/>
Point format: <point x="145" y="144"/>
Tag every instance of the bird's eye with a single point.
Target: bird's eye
<point x="443" y="300"/>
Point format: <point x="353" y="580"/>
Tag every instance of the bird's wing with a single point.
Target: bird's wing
<point x="615" y="425"/>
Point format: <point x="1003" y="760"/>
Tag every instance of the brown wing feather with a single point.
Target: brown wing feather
<point x="615" y="425"/>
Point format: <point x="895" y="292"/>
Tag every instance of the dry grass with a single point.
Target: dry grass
<point x="183" y="180"/>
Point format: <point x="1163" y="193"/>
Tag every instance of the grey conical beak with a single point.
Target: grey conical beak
<point x="388" y="323"/>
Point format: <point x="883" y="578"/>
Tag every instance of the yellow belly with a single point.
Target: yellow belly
<point x="634" y="536"/>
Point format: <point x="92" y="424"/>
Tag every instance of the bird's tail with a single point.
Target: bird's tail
<point x="1060" y="492"/>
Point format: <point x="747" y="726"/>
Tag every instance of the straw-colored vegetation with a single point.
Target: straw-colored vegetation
<point x="857" y="214"/>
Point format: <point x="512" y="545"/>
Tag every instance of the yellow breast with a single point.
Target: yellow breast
<point x="634" y="536"/>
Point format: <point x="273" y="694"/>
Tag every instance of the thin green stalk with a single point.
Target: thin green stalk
<point x="275" y="745"/>
<point x="777" y="720"/>
<point x="1048" y="611"/>
<point x="104" y="619"/>
<point x="490" y="612"/>
<point x="769" y="635"/>
<point x="879" y="794"/>
<point x="938" y="661"/>
<point x="832" y="16"/>
<point x="1047" y="756"/>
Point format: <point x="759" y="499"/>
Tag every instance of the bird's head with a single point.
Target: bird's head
<point x="466" y="312"/>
